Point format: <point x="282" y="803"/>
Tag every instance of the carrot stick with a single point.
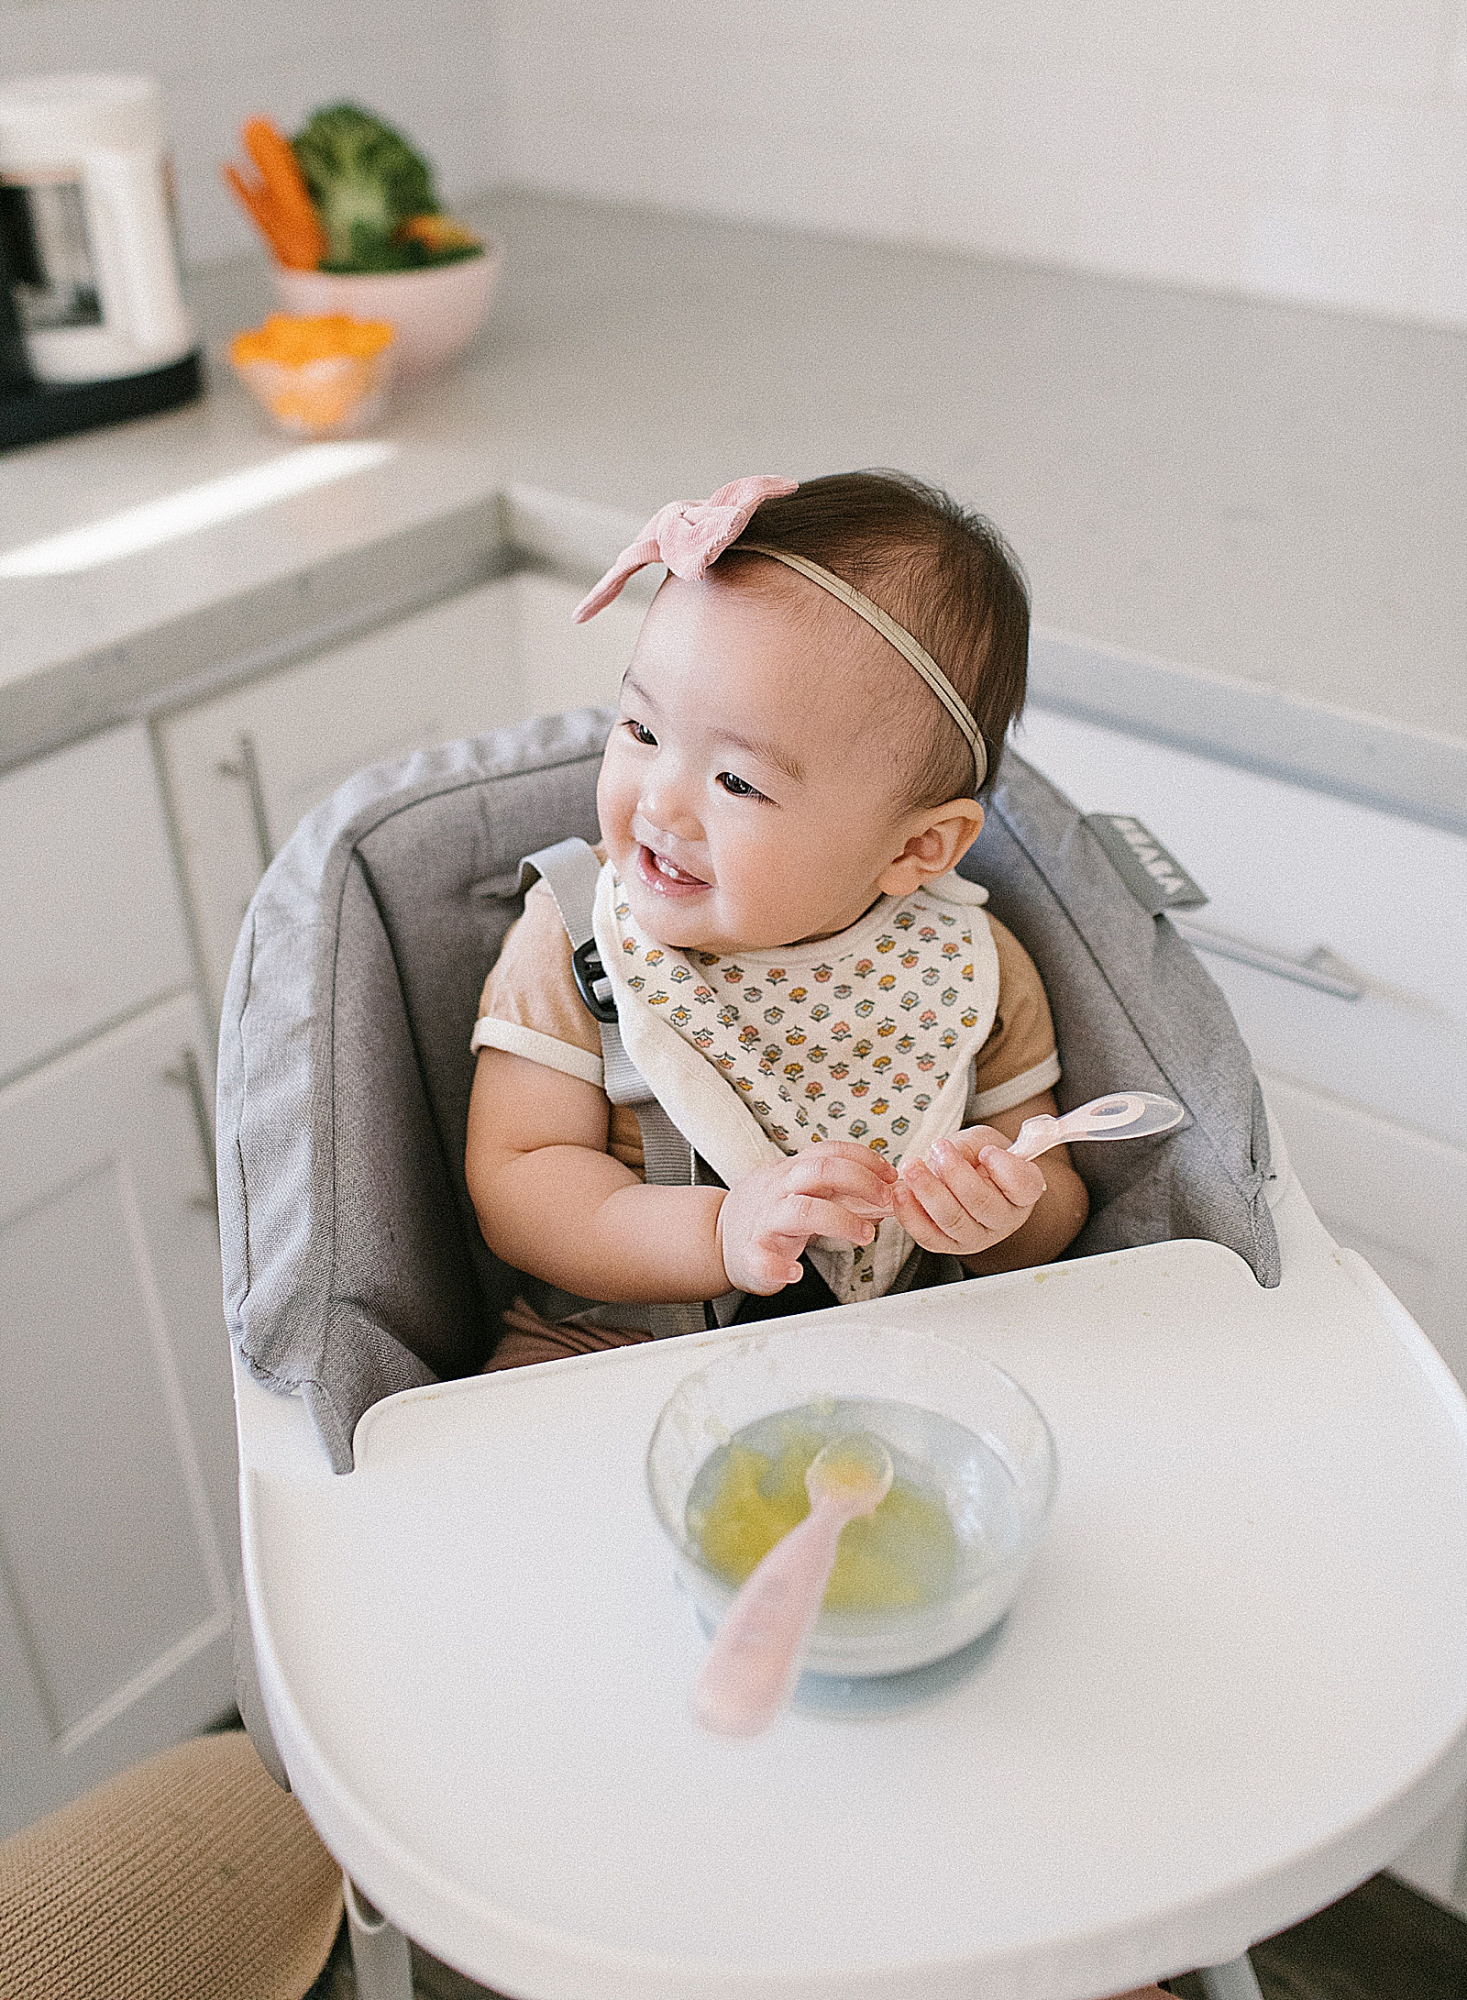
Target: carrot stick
<point x="285" y="248"/>
<point x="279" y="202"/>
<point x="271" y="152"/>
<point x="259" y="213"/>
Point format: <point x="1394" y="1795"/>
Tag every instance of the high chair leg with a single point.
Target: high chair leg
<point x="379" y="1952"/>
<point x="1234" y="1981"/>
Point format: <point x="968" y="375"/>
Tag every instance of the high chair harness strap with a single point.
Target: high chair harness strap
<point x="570" y="871"/>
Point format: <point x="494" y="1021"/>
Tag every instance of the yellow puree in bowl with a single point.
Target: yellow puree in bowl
<point x="902" y="1556"/>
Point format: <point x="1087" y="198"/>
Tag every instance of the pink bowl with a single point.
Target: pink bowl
<point x="436" y="311"/>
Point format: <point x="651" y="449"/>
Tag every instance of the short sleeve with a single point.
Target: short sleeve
<point x="530" y="1006"/>
<point x="1019" y="1059"/>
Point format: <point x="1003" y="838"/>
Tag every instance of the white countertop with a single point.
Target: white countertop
<point x="1259" y="512"/>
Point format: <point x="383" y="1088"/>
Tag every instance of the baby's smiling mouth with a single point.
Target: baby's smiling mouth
<point x="665" y="876"/>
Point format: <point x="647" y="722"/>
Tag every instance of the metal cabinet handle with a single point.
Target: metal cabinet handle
<point x="245" y="769"/>
<point x="190" y="1078"/>
<point x="1321" y="968"/>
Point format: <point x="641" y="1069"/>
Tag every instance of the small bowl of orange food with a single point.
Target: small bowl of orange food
<point x="317" y="377"/>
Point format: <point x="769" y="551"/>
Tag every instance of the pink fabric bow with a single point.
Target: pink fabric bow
<point x="687" y="536"/>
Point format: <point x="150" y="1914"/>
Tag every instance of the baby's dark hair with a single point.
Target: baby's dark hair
<point x="948" y="576"/>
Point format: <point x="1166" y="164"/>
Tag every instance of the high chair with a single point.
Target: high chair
<point x="1234" y="1684"/>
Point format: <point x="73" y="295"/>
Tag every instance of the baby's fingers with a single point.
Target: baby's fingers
<point x="963" y="1200"/>
<point x="919" y="1225"/>
<point x="807" y="1215"/>
<point x="853" y="1175"/>
<point x="953" y="1195"/>
<point x="1021" y="1181"/>
<point x="766" y="1268"/>
<point x="847" y="1149"/>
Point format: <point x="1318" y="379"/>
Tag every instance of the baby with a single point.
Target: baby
<point x="818" y="696"/>
<point x="822" y="1005"/>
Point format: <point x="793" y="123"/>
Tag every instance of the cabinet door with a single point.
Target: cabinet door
<point x="90" y="925"/>
<point x="1397" y="1196"/>
<point x="1367" y="1091"/>
<point x="243" y="769"/>
<point x="1289" y="869"/>
<point x="118" y="1525"/>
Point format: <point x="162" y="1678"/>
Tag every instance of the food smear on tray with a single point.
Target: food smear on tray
<point x="348" y="194"/>
<point x="751" y="1492"/>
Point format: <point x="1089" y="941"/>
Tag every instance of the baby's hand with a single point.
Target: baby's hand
<point x="968" y="1194"/>
<point x="833" y="1189"/>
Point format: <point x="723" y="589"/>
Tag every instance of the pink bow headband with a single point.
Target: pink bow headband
<point x="689" y="536"/>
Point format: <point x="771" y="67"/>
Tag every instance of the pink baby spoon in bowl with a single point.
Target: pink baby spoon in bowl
<point x="1124" y="1114"/>
<point x="755" y="1660"/>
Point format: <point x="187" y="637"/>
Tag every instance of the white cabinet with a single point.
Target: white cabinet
<point x="244" y="768"/>
<point x="1396" y="1195"/>
<point x="117" y="1471"/>
<point x="118" y="1532"/>
<point x="1368" y="1092"/>
<point x="90" y="926"/>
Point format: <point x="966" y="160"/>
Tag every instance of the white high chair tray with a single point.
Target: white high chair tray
<point x="1234" y="1683"/>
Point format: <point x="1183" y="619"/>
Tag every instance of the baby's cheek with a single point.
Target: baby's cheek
<point x="613" y="809"/>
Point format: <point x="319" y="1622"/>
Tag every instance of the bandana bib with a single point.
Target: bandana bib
<point x="868" y="1036"/>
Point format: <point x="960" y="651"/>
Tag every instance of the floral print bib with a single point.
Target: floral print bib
<point x="868" y="1036"/>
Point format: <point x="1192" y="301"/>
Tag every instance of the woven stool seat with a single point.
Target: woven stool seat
<point x="191" y="1875"/>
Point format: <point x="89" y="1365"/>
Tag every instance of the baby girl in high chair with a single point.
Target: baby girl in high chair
<point x="819" y="694"/>
<point x="824" y="1008"/>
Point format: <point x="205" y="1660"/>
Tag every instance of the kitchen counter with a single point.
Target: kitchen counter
<point x="1244" y="523"/>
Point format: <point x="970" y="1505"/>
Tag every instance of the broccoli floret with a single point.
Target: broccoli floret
<point x="364" y="179"/>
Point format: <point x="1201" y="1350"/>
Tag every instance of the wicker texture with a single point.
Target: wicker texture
<point x="191" y="1875"/>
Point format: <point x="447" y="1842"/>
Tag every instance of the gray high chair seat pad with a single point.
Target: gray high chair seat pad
<point x="353" y="1263"/>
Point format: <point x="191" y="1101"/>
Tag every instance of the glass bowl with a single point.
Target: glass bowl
<point x="333" y="396"/>
<point x="998" y="1482"/>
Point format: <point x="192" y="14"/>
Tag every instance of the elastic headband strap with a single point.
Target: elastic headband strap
<point x="895" y="635"/>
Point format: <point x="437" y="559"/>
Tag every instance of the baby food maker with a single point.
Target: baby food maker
<point x="93" y="327"/>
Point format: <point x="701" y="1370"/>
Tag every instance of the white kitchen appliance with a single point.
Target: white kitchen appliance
<point x="93" y="324"/>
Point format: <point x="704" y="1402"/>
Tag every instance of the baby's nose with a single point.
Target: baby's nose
<point x="664" y="809"/>
<point x="662" y="830"/>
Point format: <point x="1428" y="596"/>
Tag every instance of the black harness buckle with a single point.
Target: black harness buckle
<point x="591" y="981"/>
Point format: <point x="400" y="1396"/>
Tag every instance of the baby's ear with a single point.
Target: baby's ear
<point x="934" y="841"/>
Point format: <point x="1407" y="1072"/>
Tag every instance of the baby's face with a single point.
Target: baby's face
<point x="743" y="797"/>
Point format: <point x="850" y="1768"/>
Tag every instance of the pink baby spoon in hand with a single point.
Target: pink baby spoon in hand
<point x="755" y="1660"/>
<point x="1125" y="1114"/>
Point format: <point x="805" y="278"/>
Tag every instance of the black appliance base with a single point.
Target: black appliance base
<point x="39" y="410"/>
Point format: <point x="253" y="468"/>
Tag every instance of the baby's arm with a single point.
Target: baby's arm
<point x="553" y="1202"/>
<point x="998" y="1213"/>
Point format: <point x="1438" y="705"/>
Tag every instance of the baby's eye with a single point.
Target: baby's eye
<point x="737" y="787"/>
<point x="639" y="731"/>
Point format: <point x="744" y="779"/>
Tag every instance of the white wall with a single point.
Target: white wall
<point x="428" y="67"/>
<point x="1308" y="149"/>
